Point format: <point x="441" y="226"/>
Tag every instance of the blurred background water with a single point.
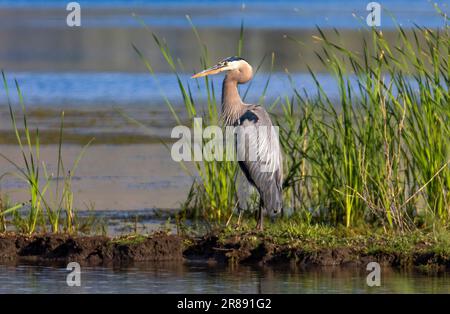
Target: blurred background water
<point x="257" y="13"/>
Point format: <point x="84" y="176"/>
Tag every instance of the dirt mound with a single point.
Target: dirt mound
<point x="92" y="249"/>
<point x="243" y="249"/>
<point x="249" y="249"/>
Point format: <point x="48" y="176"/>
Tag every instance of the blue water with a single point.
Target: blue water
<point x="255" y="13"/>
<point x="47" y="88"/>
<point x="123" y="89"/>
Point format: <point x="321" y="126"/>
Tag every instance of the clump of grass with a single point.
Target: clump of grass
<point x="46" y="204"/>
<point x="381" y="153"/>
<point x="6" y="208"/>
<point x="130" y="239"/>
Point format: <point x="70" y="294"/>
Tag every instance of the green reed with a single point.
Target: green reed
<point x="380" y="153"/>
<point x="45" y="203"/>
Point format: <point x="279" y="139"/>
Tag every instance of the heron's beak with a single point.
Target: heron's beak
<point x="211" y="71"/>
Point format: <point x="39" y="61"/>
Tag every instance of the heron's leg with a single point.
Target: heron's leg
<point x="259" y="225"/>
<point x="239" y="218"/>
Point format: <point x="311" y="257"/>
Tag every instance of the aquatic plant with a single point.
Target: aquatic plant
<point x="45" y="203"/>
<point x="381" y="152"/>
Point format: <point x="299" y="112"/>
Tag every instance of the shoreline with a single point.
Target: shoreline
<point x="245" y="249"/>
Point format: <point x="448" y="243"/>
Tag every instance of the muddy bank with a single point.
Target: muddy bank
<point x="162" y="247"/>
<point x="250" y="250"/>
<point x="90" y="249"/>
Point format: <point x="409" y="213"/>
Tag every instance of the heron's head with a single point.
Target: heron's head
<point x="230" y="64"/>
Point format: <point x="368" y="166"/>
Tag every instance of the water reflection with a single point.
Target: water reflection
<point x="204" y="278"/>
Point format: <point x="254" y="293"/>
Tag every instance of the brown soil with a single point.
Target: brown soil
<point x="90" y="249"/>
<point x="241" y="250"/>
<point x="163" y="247"/>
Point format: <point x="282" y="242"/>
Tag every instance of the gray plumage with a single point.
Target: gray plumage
<point x="264" y="173"/>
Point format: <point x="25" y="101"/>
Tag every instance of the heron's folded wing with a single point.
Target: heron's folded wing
<point x="258" y="146"/>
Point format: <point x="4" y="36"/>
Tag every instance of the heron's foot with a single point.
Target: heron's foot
<point x="238" y="223"/>
<point x="259" y="225"/>
<point x="237" y="226"/>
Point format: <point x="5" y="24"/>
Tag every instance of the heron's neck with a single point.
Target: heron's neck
<point x="232" y="105"/>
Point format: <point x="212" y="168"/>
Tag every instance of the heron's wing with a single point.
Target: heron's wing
<point x="258" y="147"/>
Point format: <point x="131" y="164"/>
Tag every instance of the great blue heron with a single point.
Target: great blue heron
<point x="265" y="172"/>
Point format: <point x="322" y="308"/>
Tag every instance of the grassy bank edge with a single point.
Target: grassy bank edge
<point x="302" y="246"/>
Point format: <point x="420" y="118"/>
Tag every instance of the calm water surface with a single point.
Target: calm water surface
<point x="200" y="278"/>
<point x="257" y="13"/>
<point x="125" y="90"/>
